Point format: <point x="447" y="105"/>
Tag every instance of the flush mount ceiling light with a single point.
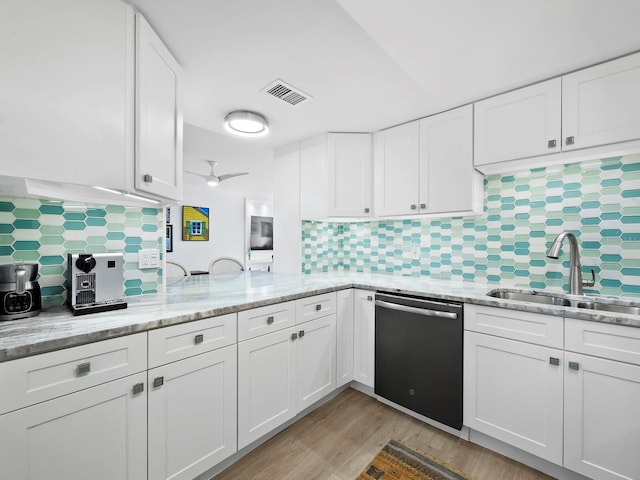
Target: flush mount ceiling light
<point x="245" y="123"/>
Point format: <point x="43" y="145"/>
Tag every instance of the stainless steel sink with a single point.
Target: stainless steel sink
<point x="533" y="296"/>
<point x="609" y="307"/>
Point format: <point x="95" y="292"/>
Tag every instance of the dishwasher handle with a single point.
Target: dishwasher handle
<point x="420" y="311"/>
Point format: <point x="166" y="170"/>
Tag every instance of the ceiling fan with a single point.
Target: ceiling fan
<point x="213" y="179"/>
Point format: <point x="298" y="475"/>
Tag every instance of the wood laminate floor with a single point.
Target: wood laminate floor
<point x="337" y="440"/>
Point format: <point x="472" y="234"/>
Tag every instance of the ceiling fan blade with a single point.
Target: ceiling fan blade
<point x="231" y="175"/>
<point x="198" y="174"/>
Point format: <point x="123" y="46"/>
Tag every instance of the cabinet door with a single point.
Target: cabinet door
<point x="349" y="170"/>
<point x="513" y="392"/>
<point x="519" y="124"/>
<point x="601" y="104"/>
<point x="98" y="433"/>
<point x="602" y="427"/>
<point x="344" y="337"/>
<point x="158" y="116"/>
<point x="448" y="181"/>
<point x="364" y="337"/>
<point x="266" y="384"/>
<point x="396" y="170"/>
<point x="192" y="414"/>
<point x="68" y="72"/>
<point x="315" y="360"/>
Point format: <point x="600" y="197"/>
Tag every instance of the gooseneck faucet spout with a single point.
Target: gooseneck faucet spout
<point x="575" y="273"/>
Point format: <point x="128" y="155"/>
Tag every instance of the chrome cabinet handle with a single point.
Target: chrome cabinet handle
<point x="551" y="143"/>
<point x="294" y="336"/>
<point x="83" y="369"/>
<point x="318" y="307"/>
<point x="301" y="333"/>
<point x="369" y="297"/>
<point x="148" y="178"/>
<point x="366" y="210"/>
<point x="554" y="361"/>
<point x="158" y="382"/>
<point x="269" y="320"/>
<point x="414" y="207"/>
<point x="138" y="388"/>
<point x="569" y="141"/>
<point x="199" y="338"/>
<point x="574" y="366"/>
<point x="423" y="205"/>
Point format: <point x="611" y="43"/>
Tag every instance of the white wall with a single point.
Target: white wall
<point x="226" y="202"/>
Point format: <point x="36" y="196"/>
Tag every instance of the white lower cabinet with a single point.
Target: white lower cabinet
<point x="98" y="433"/>
<point x="344" y="337"/>
<point x="513" y="392"/>
<point x="192" y="412"/>
<point x="601" y="398"/>
<point x="364" y="325"/>
<point x="283" y="372"/>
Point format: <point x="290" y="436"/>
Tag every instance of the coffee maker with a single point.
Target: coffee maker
<point x="19" y="291"/>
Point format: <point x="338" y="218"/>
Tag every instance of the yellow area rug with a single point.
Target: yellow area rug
<point x="397" y="461"/>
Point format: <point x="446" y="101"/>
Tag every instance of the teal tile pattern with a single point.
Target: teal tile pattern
<point x="41" y="231"/>
<point x="599" y="201"/>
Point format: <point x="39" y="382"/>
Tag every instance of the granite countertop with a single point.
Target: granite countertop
<point x="197" y="297"/>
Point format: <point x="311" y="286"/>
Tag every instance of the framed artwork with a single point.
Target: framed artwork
<point x="195" y="223"/>
<point x="168" y="238"/>
<point x="261" y="237"/>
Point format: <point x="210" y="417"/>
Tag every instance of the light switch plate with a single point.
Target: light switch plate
<point x="148" y="258"/>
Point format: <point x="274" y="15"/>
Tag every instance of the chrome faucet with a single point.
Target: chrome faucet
<point x="575" y="273"/>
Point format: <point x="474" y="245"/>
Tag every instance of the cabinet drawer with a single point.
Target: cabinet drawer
<point x="185" y="340"/>
<point x="258" y="321"/>
<point x="616" y="342"/>
<point x="535" y="328"/>
<point x="31" y="380"/>
<point x="310" y="308"/>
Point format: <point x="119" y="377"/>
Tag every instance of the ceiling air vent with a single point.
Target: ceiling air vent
<point x="286" y="92"/>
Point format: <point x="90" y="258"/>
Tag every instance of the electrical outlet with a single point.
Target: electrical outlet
<point x="415" y="252"/>
<point x="148" y="258"/>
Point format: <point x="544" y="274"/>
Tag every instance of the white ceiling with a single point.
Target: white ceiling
<point x="371" y="64"/>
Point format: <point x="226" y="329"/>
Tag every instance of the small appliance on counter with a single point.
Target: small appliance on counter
<point x="19" y="291"/>
<point x="94" y="282"/>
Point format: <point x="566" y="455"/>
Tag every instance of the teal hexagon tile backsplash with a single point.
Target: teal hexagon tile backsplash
<point x="42" y="231"/>
<point x="597" y="200"/>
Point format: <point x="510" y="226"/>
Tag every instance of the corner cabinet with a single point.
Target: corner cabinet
<point x="364" y="328"/>
<point x="158" y="132"/>
<point x="426" y="167"/>
<point x="336" y="176"/>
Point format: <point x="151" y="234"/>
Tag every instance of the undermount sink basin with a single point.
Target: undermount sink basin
<point x="533" y="296"/>
<point x="609" y="307"/>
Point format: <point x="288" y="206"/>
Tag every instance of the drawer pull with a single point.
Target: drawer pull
<point x="269" y="320"/>
<point x="294" y="336"/>
<point x="423" y="205"/>
<point x="83" y="368"/>
<point x="138" y="388"/>
<point x="369" y="298"/>
<point x="318" y="307"/>
<point x="569" y="141"/>
<point x="554" y="361"/>
<point x="574" y="366"/>
<point x="366" y="210"/>
<point x="158" y="382"/>
<point x="301" y="333"/>
<point x="551" y="143"/>
<point x="199" y="338"/>
<point x="414" y="207"/>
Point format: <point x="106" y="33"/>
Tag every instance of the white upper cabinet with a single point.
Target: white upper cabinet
<point x="63" y="99"/>
<point x="158" y="159"/>
<point x="519" y="124"/>
<point x="448" y="181"/>
<point x="92" y="100"/>
<point x="349" y="170"/>
<point x="601" y="104"/>
<point x="396" y="170"/>
<point x="590" y="113"/>
<point x="426" y="167"/>
<point x="335" y="176"/>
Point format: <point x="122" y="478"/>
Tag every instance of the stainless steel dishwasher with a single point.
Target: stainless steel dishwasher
<point x="418" y="355"/>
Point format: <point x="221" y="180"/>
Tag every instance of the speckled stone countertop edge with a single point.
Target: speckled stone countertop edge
<point x="59" y="329"/>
